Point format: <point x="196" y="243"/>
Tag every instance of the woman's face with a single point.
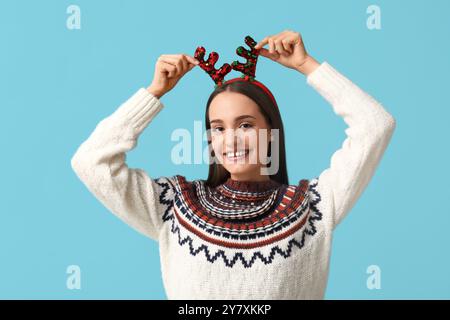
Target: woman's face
<point x="239" y="135"/>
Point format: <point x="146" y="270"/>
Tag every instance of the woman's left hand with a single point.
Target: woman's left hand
<point x="287" y="48"/>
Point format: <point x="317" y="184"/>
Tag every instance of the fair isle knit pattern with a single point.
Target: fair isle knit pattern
<point x="240" y="239"/>
<point x="230" y="216"/>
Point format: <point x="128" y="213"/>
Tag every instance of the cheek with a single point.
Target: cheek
<point x="252" y="139"/>
<point x="216" y="144"/>
<point x="257" y="140"/>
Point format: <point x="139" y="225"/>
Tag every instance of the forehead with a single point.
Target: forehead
<point x="227" y="106"/>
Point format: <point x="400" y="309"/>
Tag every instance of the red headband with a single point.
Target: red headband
<point x="248" y="69"/>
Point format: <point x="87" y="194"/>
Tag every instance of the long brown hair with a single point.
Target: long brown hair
<point x="217" y="173"/>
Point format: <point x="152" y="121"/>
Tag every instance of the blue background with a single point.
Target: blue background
<point x="56" y="84"/>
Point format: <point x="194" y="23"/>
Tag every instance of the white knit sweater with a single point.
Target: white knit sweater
<point x="194" y="263"/>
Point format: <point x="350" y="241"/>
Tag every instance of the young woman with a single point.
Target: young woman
<point x="240" y="234"/>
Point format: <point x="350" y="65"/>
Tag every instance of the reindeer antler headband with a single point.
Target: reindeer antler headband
<point x="248" y="69"/>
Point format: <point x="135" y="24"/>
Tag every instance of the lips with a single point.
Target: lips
<point x="233" y="156"/>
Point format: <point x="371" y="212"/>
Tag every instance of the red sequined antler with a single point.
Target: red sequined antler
<point x="249" y="68"/>
<point x="209" y="66"/>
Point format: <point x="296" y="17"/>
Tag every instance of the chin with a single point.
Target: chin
<point x="239" y="169"/>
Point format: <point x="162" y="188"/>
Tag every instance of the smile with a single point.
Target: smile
<point x="234" y="156"/>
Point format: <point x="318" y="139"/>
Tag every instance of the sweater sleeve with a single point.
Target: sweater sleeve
<point x="370" y="128"/>
<point x="99" y="162"/>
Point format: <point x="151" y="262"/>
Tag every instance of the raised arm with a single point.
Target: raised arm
<point x="100" y="164"/>
<point x="100" y="161"/>
<point x="369" y="131"/>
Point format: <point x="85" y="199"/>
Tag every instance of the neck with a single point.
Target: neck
<point x="253" y="186"/>
<point x="249" y="177"/>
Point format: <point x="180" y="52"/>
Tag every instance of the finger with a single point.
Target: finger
<point x="191" y="59"/>
<point x="262" y="43"/>
<point x="295" y="38"/>
<point x="286" y="45"/>
<point x="189" y="63"/>
<point x="169" y="68"/>
<point x="174" y="62"/>
<point x="280" y="48"/>
<point x="169" y="59"/>
<point x="174" y="59"/>
<point x="265" y="53"/>
<point x="184" y="64"/>
<point x="191" y="66"/>
<point x="271" y="46"/>
<point x="185" y="56"/>
<point x="180" y="62"/>
<point x="274" y="55"/>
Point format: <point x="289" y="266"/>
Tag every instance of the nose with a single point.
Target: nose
<point x="233" y="140"/>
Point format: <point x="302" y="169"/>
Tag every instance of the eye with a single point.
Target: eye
<point x="246" y="125"/>
<point x="217" y="129"/>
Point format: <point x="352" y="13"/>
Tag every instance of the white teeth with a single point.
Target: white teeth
<point x="236" y="154"/>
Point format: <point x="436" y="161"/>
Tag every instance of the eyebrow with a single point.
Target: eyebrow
<point x="236" y="119"/>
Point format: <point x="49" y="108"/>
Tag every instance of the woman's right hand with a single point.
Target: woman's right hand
<point x="169" y="69"/>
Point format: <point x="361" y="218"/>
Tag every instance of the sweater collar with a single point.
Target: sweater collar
<point x="250" y="186"/>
